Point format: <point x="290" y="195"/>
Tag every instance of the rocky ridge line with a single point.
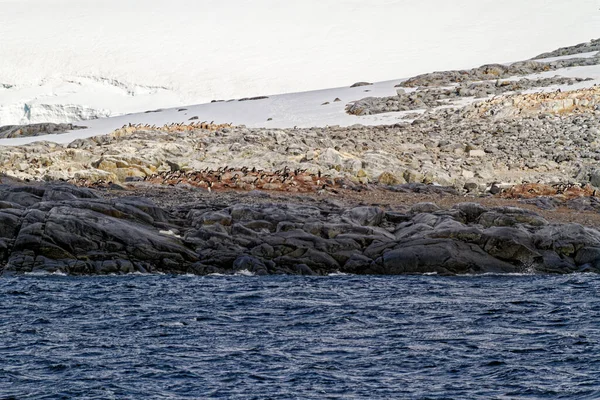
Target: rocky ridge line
<point x="437" y="97"/>
<point x="495" y="71"/>
<point x="593" y="45"/>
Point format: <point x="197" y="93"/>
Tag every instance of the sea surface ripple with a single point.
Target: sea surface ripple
<point x="350" y="337"/>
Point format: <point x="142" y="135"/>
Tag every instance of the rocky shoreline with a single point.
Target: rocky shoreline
<point x="508" y="183"/>
<point x="80" y="231"/>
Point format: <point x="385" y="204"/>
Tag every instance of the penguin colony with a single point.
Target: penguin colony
<point x="223" y="178"/>
<point x="169" y="128"/>
<point x="557" y="102"/>
<point x="530" y="190"/>
<point x="286" y="179"/>
<point x="301" y="181"/>
<point x="298" y="180"/>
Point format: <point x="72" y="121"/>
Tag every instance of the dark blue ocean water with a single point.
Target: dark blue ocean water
<point x="350" y="337"/>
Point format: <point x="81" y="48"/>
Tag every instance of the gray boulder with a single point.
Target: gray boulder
<point x="365" y="216"/>
<point x="442" y="256"/>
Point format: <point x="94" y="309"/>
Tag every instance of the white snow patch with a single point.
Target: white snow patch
<point x="302" y="110"/>
<point x="591" y="71"/>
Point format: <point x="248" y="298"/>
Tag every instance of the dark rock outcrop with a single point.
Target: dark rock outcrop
<point x="15" y="131"/>
<point x="359" y="84"/>
<point x="59" y="227"/>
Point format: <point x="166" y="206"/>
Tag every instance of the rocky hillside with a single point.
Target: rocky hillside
<point x="535" y="138"/>
<point x="468" y="129"/>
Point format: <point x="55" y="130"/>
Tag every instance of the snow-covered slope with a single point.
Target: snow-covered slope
<point x="302" y="110"/>
<point x="62" y="60"/>
<point x="305" y="109"/>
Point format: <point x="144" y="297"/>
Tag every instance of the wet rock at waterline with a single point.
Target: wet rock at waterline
<point x="75" y="230"/>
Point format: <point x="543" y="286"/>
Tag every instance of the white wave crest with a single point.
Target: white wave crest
<point x="338" y="273"/>
<point x="244" y="272"/>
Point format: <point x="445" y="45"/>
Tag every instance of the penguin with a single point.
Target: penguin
<point x="495" y="189"/>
